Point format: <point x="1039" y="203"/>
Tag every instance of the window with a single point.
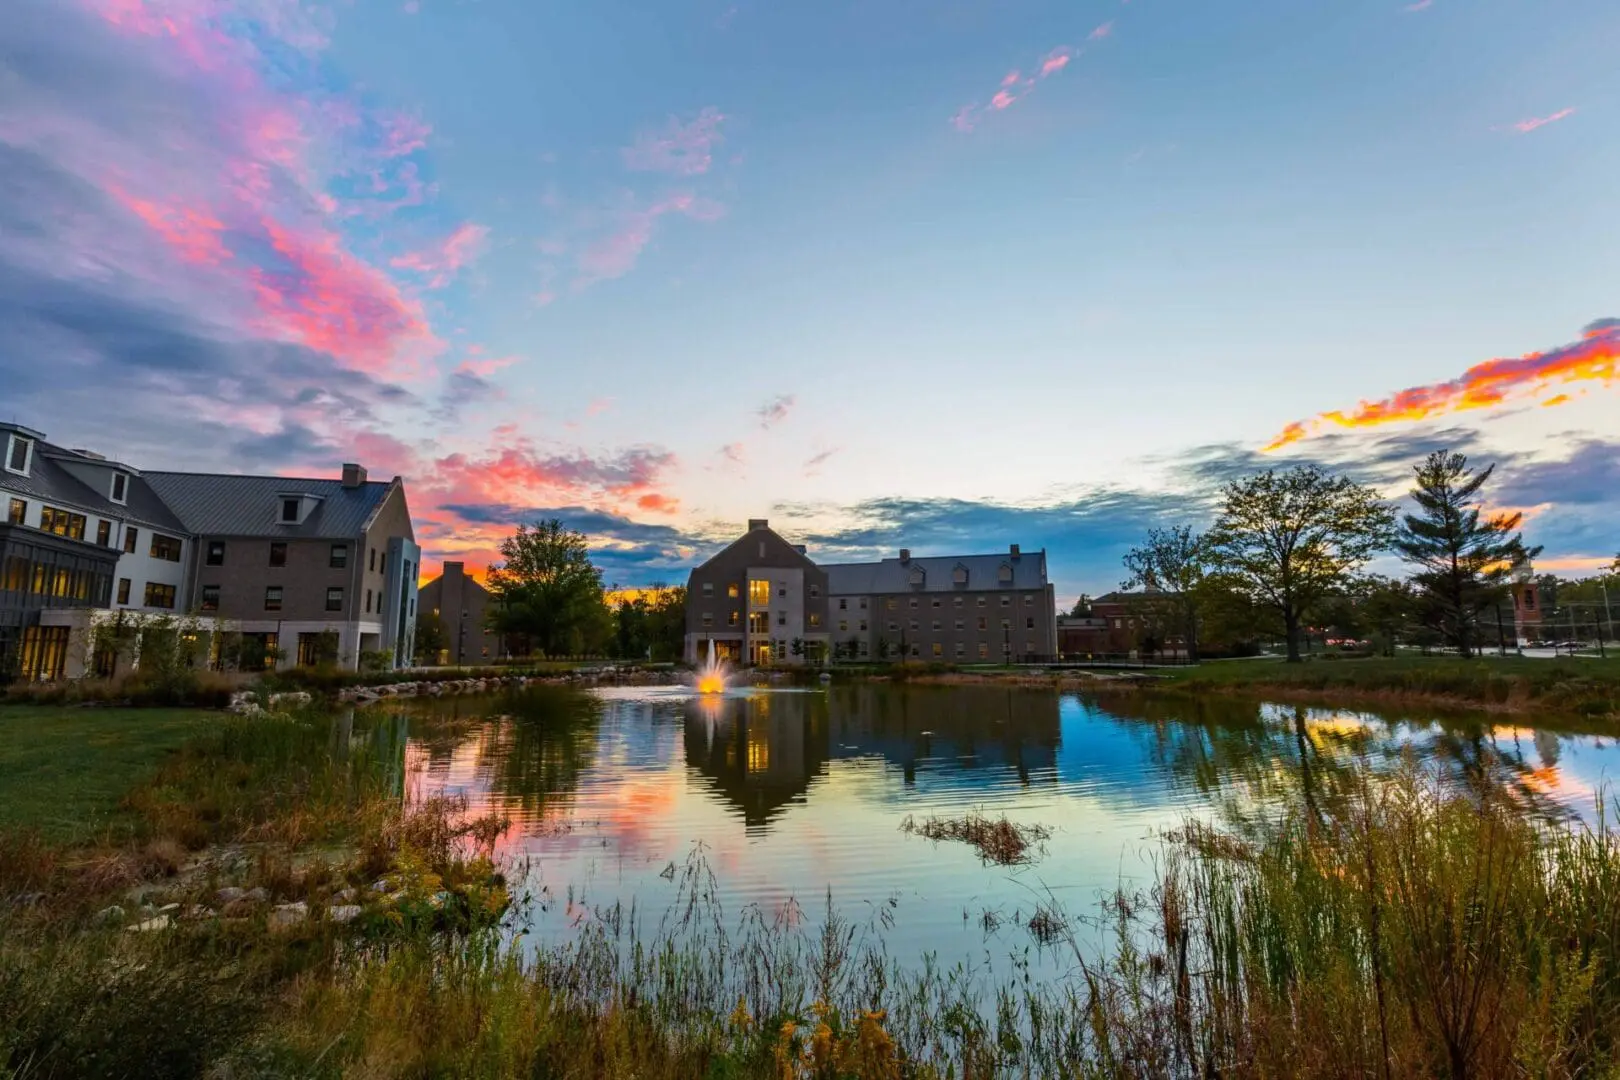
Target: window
<point x="166" y="548"/>
<point x="815" y="619"/>
<point x="1029" y="648"/>
<point x="130" y="535"/>
<point x="959" y="575"/>
<point x="936" y="626"/>
<point x="708" y="620"/>
<point x="1006" y="624"/>
<point x="1004" y="575"/>
<point x="815" y="592"/>
<point x="984" y="650"/>
<point x="759" y="592"/>
<point x="339" y="558"/>
<point x="981" y="601"/>
<point x="843" y="604"/>
<point x="368" y="604"/>
<point x="272" y="598"/>
<point x="104" y="532"/>
<point x="210" y="598"/>
<point x="959" y="624"/>
<point x="939" y="649"/>
<point x="984" y="624"/>
<point x="781" y="618"/>
<point x="372" y="567"/>
<point x="781" y="590"/>
<point x="1117" y="624"/>
<point x="1006" y="601"/>
<point x="22" y="449"/>
<point x="120" y="487"/>
<point x="843" y="625"/>
<point x="18" y="511"/>
<point x="863" y="603"/>
<point x="863" y="624"/>
<point x="123" y="590"/>
<point x="865" y="649"/>
<point x="958" y="601"/>
<point x="916" y="650"/>
<point x="62" y="522"/>
<point x="759" y="622"/>
<point x="734" y="617"/>
<point x="289" y="510"/>
<point x="960" y="648"/>
<point x="382" y="563"/>
<point x="708" y="588"/>
<point x="334" y="598"/>
<point x="278" y="553"/>
<point x="1029" y="623"/>
<point x="893" y="627"/>
<point x="913" y="626"/>
<point x="731" y="591"/>
<point x="1029" y="599"/>
<point x="216" y="553"/>
<point x="160" y="596"/>
<point x="891" y="603"/>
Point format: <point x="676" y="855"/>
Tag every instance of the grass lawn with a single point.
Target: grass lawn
<point x="65" y="772"/>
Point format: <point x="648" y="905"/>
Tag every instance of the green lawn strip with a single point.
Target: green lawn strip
<point x="65" y="772"/>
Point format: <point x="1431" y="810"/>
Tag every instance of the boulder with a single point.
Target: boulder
<point x="283" y="916"/>
<point x="229" y="894"/>
<point x="256" y="895"/>
<point x="156" y="922"/>
<point x="343" y="913"/>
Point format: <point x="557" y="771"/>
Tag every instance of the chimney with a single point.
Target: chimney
<point x="905" y="556"/>
<point x="455" y="569"/>
<point x="353" y="475"/>
<point x="755" y="524"/>
<point x="1014" y="552"/>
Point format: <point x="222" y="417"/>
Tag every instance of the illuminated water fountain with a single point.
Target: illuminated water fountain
<point x="711" y="677"/>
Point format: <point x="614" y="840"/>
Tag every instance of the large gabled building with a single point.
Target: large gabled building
<point x="763" y="600"/>
<point x="292" y="565"/>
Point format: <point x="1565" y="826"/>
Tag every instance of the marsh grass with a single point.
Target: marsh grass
<point x="997" y="840"/>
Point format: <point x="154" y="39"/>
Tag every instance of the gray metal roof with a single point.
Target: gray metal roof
<point x="217" y="504"/>
<point x="893" y="576"/>
<point x="49" y="482"/>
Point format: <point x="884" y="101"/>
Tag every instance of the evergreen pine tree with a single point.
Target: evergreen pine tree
<point x="1463" y="558"/>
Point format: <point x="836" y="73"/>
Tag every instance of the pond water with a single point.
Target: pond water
<point x="788" y="796"/>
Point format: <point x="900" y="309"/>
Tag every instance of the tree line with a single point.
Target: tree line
<point x="1288" y="548"/>
<point x="548" y="599"/>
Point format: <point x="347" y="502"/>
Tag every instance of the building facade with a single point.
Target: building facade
<point x="306" y="570"/>
<point x="763" y="600"/>
<point x="461" y="605"/>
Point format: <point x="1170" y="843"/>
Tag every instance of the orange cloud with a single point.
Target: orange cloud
<point x="659" y="504"/>
<point x="1592" y="359"/>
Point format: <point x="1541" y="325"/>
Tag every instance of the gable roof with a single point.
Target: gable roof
<point x="783" y="550"/>
<point x="48" y="481"/>
<point x="893" y="576"/>
<point x="218" y="504"/>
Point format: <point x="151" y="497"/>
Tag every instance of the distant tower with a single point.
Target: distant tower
<point x="1527" y="603"/>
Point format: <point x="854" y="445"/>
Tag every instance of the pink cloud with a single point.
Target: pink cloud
<point x="1010" y="79"/>
<point x="775" y="410"/>
<point x="680" y="148"/>
<point x="1015" y="84"/>
<point x="1524" y="127"/>
<point x="194" y="235"/>
<point x="963" y="120"/>
<point x="484" y="368"/>
<point x="1420" y="5"/>
<point x="1002" y="100"/>
<point x="402" y="134"/>
<point x="616" y="254"/>
<point x="1055" y="63"/>
<point x="734" y="452"/>
<point x="441" y="262"/>
<point x="1101" y="31"/>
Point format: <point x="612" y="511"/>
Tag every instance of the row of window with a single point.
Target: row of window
<point x="41" y="579"/>
<point x="893" y="603"/>
<point x="337" y="556"/>
<point x="983" y="623"/>
<point x="759" y="622"/>
<point x="53" y="519"/>
<point x="759" y="591"/>
<point x="273" y="594"/>
<point x="759" y="595"/>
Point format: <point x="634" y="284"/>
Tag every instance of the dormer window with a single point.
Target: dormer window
<point x="19" y="454"/>
<point x="120" y="487"/>
<point x="959" y="576"/>
<point x="918" y="577"/>
<point x="1005" y="574"/>
<point x="289" y="511"/>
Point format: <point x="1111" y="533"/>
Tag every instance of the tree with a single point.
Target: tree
<point x="1389" y="606"/>
<point x="1172" y="563"/>
<point x="1082" y="608"/>
<point x="1290" y="538"/>
<point x="1463" y="559"/>
<point x="430" y="637"/>
<point x="547" y="595"/>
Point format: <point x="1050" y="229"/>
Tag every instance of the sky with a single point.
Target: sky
<point x="945" y="275"/>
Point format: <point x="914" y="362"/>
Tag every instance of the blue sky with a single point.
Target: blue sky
<point x="662" y="267"/>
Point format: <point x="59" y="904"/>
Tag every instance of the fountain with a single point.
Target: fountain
<point x="711" y="677"/>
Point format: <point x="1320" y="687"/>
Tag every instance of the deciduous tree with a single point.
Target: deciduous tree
<point x="1172" y="563"/>
<point x="1463" y="558"/>
<point x="547" y="594"/>
<point x="1289" y="538"/>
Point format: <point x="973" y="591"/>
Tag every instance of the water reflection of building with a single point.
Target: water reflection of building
<point x="761" y="751"/>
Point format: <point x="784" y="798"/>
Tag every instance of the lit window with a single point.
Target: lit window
<point x="759" y="592"/>
<point x="159" y="596"/>
<point x="815" y="618"/>
<point x="104" y="533"/>
<point x="123" y="590"/>
<point x="18" y="511"/>
<point x="166" y="548"/>
<point x="891" y="603"/>
<point x="733" y="619"/>
<point x="731" y="590"/>
<point x="984" y="650"/>
<point x="939" y="650"/>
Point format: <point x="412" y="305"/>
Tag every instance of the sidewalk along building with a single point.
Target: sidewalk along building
<point x="763" y="600"/>
<point x="461" y="605"/>
<point x="270" y="571"/>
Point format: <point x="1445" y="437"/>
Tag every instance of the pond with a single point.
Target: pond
<point x="789" y="797"/>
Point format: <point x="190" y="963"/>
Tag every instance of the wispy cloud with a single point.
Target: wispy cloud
<point x="734" y="452"/>
<point x="1592" y="359"/>
<point x="1015" y="85"/>
<point x="616" y="253"/>
<point x="775" y="410"/>
<point x="816" y="461"/>
<point x="1419" y="5"/>
<point x="440" y="262"/>
<point x="680" y="148"/>
<point x="1524" y="127"/>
